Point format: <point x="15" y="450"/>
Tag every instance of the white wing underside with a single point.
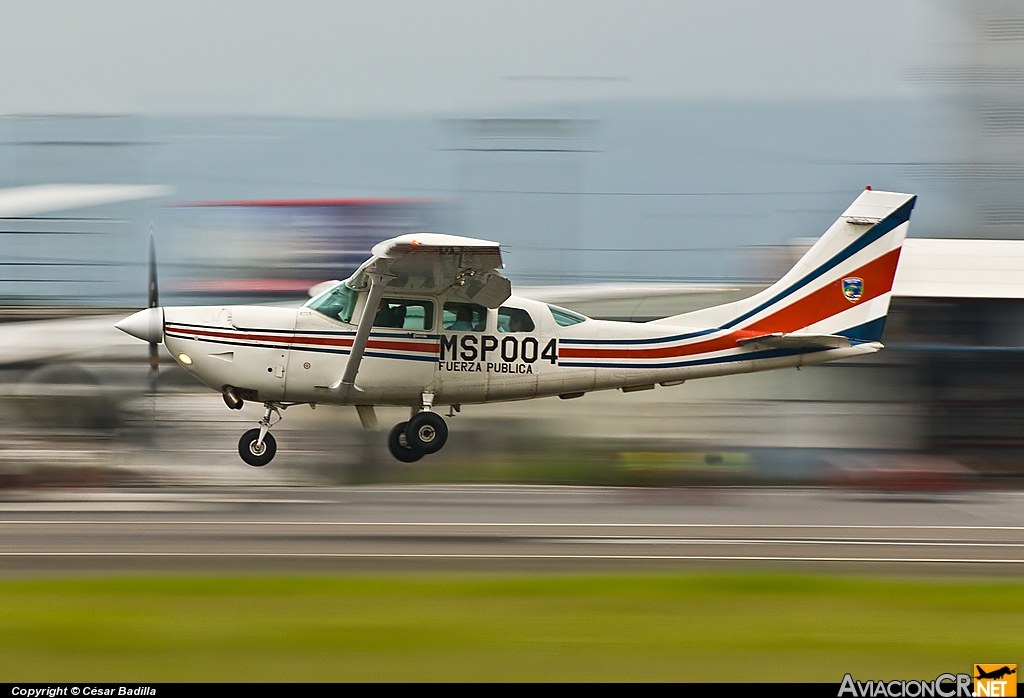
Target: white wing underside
<point x="433" y="262"/>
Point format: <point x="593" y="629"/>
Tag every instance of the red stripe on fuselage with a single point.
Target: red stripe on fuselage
<point x="394" y="345"/>
<point x="292" y="340"/>
<point x="228" y="334"/>
<point x="718" y="344"/>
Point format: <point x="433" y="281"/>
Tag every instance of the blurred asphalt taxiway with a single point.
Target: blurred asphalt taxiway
<point x="462" y="527"/>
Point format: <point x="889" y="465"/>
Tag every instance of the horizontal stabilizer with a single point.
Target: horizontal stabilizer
<point x="781" y="340"/>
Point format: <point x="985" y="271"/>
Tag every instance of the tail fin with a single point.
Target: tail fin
<point x="841" y="286"/>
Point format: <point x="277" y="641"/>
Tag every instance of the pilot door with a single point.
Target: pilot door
<point x="400" y="362"/>
<point x="398" y="365"/>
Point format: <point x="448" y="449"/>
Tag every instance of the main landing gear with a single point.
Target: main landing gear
<point x="258" y="446"/>
<point x="426" y="432"/>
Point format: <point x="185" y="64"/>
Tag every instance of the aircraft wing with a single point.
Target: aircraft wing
<point x="70" y="338"/>
<point x="434" y="262"/>
<point x="781" y="340"/>
<point x="637" y="302"/>
<point x="75" y="339"/>
<point x="47" y="198"/>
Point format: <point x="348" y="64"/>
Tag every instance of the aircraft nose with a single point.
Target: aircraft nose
<point x="147" y="325"/>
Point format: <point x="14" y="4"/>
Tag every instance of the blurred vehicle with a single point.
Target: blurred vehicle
<point x="220" y="251"/>
<point x="898" y="473"/>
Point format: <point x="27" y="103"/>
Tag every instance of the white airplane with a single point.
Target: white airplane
<point x="428" y="321"/>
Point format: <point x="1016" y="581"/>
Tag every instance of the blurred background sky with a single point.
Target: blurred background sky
<point x="697" y="129"/>
<point x="400" y="57"/>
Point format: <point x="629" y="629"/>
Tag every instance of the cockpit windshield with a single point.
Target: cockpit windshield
<point x="338" y="302"/>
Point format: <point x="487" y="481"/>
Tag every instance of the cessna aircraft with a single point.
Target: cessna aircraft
<point x="428" y="321"/>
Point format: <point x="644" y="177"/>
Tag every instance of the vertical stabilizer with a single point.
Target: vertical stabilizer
<point x="841" y="286"/>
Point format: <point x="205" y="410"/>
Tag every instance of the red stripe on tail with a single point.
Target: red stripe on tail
<point x="829" y="300"/>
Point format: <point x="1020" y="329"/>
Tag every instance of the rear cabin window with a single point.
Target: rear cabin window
<point x="564" y="317"/>
<point x="514" y="320"/>
<point x="337" y="303"/>
<point x="464" y="316"/>
<point x="403" y="314"/>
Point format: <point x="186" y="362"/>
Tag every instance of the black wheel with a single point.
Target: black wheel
<point x="253" y="455"/>
<point x="399" y="447"/>
<point x="426" y="432"/>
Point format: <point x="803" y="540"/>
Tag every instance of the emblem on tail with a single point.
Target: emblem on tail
<point x="853" y="288"/>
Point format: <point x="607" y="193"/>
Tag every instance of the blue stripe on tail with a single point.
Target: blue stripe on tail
<point x="868" y="332"/>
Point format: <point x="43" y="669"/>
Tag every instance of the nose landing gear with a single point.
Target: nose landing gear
<point x="257" y="447"/>
<point x="255" y="452"/>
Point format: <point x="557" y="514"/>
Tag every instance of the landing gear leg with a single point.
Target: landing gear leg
<point x="257" y="447"/>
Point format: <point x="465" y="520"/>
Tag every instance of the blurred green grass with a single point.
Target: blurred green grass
<point x="459" y="627"/>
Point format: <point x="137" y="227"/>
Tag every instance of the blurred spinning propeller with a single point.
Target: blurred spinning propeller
<point x="154" y="302"/>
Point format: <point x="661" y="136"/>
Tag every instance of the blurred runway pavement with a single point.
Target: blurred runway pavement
<point x="277" y="529"/>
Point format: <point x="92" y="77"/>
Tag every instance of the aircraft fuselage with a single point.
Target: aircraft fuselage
<point x="295" y="355"/>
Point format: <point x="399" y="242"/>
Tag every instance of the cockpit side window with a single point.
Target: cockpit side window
<point x="514" y="320"/>
<point x="464" y="316"/>
<point x="400" y="313"/>
<point x="564" y="317"/>
<point x="338" y="303"/>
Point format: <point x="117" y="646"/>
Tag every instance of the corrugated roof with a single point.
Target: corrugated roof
<point x="946" y="268"/>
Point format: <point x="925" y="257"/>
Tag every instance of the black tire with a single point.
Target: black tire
<point x="426" y="432"/>
<point x="398" y="446"/>
<point x="247" y="448"/>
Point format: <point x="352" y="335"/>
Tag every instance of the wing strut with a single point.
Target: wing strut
<point x="347" y="385"/>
